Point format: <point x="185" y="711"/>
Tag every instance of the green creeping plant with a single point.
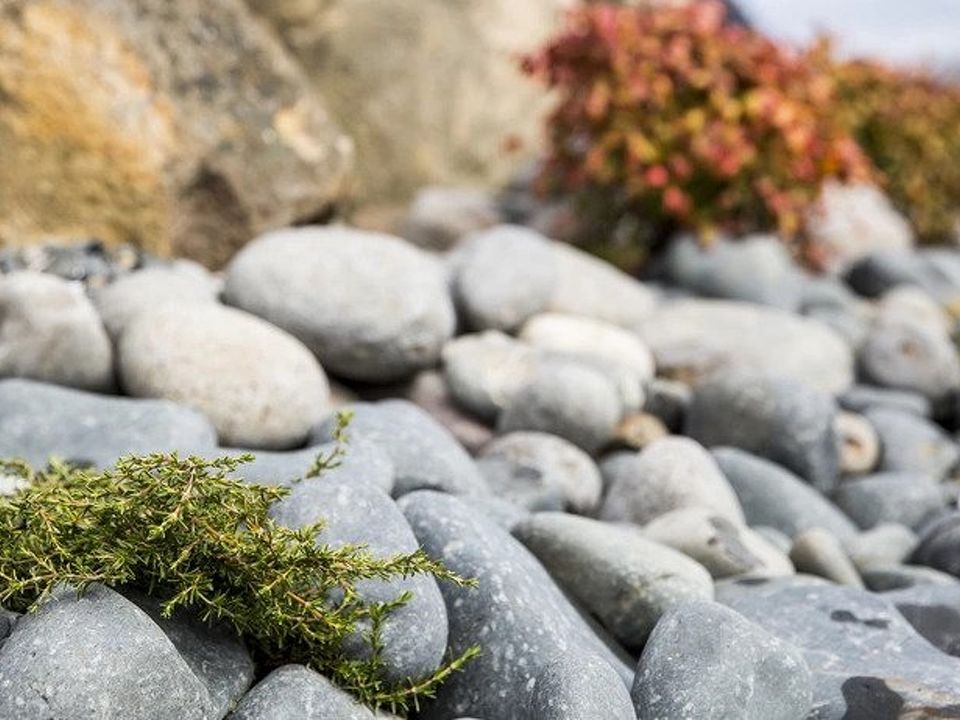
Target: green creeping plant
<point x="186" y="531"/>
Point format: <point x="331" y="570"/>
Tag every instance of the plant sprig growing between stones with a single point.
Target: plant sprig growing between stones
<point x="186" y="531"/>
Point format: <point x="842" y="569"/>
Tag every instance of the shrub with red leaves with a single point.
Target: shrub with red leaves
<point x="671" y="117"/>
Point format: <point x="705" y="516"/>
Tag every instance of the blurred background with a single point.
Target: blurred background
<point x="920" y="32"/>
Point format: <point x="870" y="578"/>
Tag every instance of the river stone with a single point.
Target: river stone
<point x="517" y="613"/>
<point x="771" y="495"/>
<point x="936" y="271"/>
<point x="912" y="444"/>
<point x="529" y="468"/>
<point x="39" y="421"/>
<point x="362" y="462"/>
<point x="884" y="578"/>
<point x="296" y="691"/>
<point x="567" y="398"/>
<point x="704" y="660"/>
<point x="722" y="547"/>
<point x="867" y="661"/>
<point x="939" y="545"/>
<point x="98" y="656"/>
<point x="756" y="269"/>
<point x="883" y="545"/>
<point x="423" y="453"/>
<point x="818" y="552"/>
<point x="439" y="216"/>
<point x="430" y="392"/>
<point x="485" y="371"/>
<point x="592" y="288"/>
<point x="359" y="513"/>
<point x="906" y="498"/>
<point x="212" y="650"/>
<point x="775" y="417"/>
<point x="504" y="275"/>
<point x="849" y="221"/>
<point x="861" y="398"/>
<point x="859" y="443"/>
<point x="112" y="135"/>
<point x="625" y="580"/>
<point x="50" y="331"/>
<point x="907" y="355"/>
<point x="259" y="386"/>
<point x="914" y="306"/>
<point x="691" y="339"/>
<point x="181" y="282"/>
<point x="373" y="321"/>
<point x="579" y="689"/>
<point x="585" y="336"/>
<point x="672" y="473"/>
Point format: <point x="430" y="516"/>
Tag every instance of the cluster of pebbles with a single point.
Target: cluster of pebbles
<point x="727" y="491"/>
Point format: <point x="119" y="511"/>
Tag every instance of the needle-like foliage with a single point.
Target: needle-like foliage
<point x="189" y="533"/>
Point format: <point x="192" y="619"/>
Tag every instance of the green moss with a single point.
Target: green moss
<point x="186" y="531"/>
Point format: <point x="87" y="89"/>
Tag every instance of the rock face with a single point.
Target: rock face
<point x="693" y="338"/>
<point x="259" y="386"/>
<point x="704" y="660"/>
<point x="97" y="656"/>
<point x="517" y="613"/>
<point x="867" y="661"/>
<point x="50" y="331"/>
<point x="373" y="321"/>
<point x="438" y="103"/>
<point x="38" y="421"/>
<point x="625" y="580"/>
<point x="106" y="130"/>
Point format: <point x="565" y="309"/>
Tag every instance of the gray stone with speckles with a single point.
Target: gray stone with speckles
<point x="517" y="613"/>
<point x="98" y="656"/>
<point x="704" y="660"/>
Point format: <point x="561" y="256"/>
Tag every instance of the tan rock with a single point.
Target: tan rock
<point x="430" y="89"/>
<point x="179" y="125"/>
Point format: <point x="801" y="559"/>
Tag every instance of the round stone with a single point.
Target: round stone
<point x="691" y="339"/>
<point x="776" y="417"/>
<point x="504" y="275"/>
<point x="180" y="282"/>
<point x="259" y="386"/>
<point x="530" y="468"/>
<point x="370" y="306"/>
<point x="672" y="473"/>
<point x="569" y="399"/>
<point x="50" y="331"/>
<point x="704" y="660"/>
<point x="574" y="335"/>
<point x="911" y="356"/>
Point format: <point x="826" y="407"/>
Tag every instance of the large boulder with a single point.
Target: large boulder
<point x="431" y="89"/>
<point x="179" y="125"/>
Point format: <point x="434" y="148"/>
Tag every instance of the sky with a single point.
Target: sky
<point x="902" y="30"/>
